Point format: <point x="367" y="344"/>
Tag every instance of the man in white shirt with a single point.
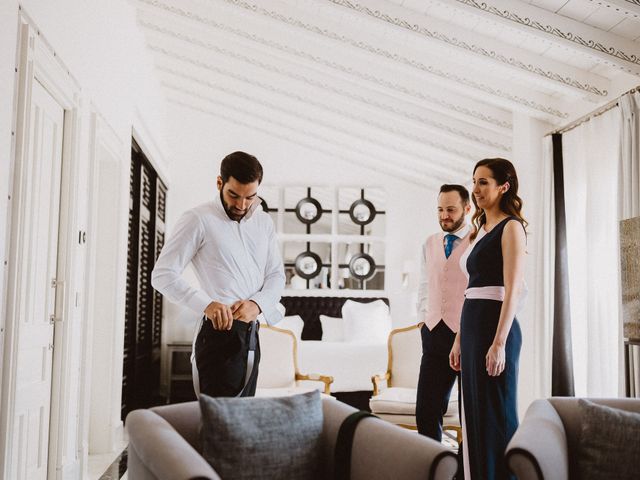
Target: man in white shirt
<point x="232" y="245"/>
<point x="441" y="295"/>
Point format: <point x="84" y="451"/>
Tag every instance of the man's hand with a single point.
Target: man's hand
<point x="245" y="310"/>
<point x="221" y="315"/>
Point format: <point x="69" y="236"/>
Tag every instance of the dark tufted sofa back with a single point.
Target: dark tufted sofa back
<point x="310" y="309"/>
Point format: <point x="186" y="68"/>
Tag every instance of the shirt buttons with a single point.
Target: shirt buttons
<point x="444" y="300"/>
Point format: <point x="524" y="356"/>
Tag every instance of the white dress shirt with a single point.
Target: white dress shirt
<point x="232" y="260"/>
<point x="423" y="287"/>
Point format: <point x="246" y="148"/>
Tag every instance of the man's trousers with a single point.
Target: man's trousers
<point x="221" y="359"/>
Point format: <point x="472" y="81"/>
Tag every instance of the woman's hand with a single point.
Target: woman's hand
<point x="495" y="360"/>
<point x="454" y="355"/>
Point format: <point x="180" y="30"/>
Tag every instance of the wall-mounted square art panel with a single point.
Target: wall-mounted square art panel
<point x="307" y="264"/>
<point x="362" y="211"/>
<point x="331" y="237"/>
<point x="361" y="265"/>
<point x="308" y="210"/>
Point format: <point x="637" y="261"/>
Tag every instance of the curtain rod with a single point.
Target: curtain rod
<point x="599" y="111"/>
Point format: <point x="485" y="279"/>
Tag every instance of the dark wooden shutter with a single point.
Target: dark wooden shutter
<point x="143" y="323"/>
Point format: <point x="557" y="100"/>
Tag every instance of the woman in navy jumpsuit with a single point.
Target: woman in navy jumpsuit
<point x="487" y="347"/>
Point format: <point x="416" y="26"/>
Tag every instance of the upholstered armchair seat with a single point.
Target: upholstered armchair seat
<point x="546" y="443"/>
<point x="163" y="445"/>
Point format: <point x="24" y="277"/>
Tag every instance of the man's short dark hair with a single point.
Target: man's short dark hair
<point x="243" y="167"/>
<point x="464" y="193"/>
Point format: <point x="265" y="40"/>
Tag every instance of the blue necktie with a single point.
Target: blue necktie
<point x="448" y="246"/>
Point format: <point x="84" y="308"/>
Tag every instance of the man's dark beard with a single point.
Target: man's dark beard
<point x="230" y="214"/>
<point x="454" y="227"/>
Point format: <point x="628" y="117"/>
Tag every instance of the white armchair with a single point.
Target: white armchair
<point x="394" y="392"/>
<point x="278" y="372"/>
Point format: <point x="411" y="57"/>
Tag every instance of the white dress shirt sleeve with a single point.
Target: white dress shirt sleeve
<point x="176" y="254"/>
<point x="423" y="286"/>
<point x="269" y="295"/>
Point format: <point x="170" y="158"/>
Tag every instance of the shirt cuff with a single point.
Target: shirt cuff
<point x="271" y="314"/>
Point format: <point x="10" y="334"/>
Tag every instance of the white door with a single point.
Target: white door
<point x="37" y="263"/>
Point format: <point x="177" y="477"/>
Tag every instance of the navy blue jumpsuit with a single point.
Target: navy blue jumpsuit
<point x="489" y="403"/>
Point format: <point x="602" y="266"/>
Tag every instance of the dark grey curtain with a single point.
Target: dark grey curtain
<point x="562" y="357"/>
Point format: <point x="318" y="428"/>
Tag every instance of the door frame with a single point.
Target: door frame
<point x="101" y="377"/>
<point x="37" y="61"/>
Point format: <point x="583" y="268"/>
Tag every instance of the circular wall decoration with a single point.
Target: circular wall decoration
<point x="263" y="204"/>
<point x="308" y="265"/>
<point x="362" y="212"/>
<point x="362" y="266"/>
<point x="308" y="210"/>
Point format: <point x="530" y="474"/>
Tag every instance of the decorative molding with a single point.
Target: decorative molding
<point x="621" y="6"/>
<point x="556" y="31"/>
<point x="322" y="85"/>
<point x="480" y="115"/>
<point x="525" y="102"/>
<point x="310" y="118"/>
<point x="416" y="178"/>
<point x="398" y="58"/>
<point x="511" y="61"/>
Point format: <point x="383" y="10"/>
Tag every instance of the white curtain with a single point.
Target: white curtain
<point x="591" y="154"/>
<point x="544" y="257"/>
<point x="629" y="188"/>
<point x="630" y="156"/>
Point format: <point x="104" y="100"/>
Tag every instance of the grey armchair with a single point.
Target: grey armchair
<point x="546" y="442"/>
<point x="163" y="444"/>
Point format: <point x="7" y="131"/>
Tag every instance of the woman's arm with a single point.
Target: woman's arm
<point x="513" y="256"/>
<point x="454" y="354"/>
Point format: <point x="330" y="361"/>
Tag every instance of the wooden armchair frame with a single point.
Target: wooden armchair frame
<point x="387" y="378"/>
<point x="314" y="377"/>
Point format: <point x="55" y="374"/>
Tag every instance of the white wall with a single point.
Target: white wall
<point x="201" y="141"/>
<point x="103" y="50"/>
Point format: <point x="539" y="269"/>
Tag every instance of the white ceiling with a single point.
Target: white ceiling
<point x="419" y="88"/>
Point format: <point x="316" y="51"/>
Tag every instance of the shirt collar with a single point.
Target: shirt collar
<point x="217" y="201"/>
<point x="461" y="232"/>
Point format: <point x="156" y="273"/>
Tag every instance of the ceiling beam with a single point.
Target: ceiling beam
<point x="302" y="85"/>
<point x="448" y="164"/>
<point x="552" y="73"/>
<point x="626" y="7"/>
<point x="504" y="93"/>
<point x="214" y="35"/>
<point x="607" y="47"/>
<point x="219" y="109"/>
<point x="447" y="142"/>
<point x="491" y="88"/>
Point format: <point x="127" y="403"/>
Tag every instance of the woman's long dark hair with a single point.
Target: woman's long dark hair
<point x="510" y="203"/>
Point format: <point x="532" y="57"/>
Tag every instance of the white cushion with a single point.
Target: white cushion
<point x="402" y="401"/>
<point x="366" y="322"/>
<point x="396" y="400"/>
<point x="332" y="329"/>
<point x="293" y="323"/>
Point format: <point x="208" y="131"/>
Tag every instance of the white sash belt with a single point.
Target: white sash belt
<point x="485" y="293"/>
<point x="496" y="293"/>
